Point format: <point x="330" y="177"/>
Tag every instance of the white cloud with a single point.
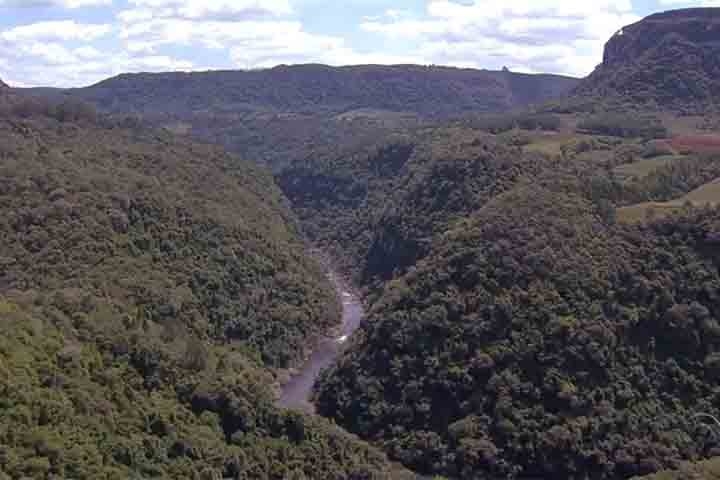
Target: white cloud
<point x="560" y="36"/>
<point x="63" y="54"/>
<point x="391" y="13"/>
<point x="255" y="33"/>
<point x="685" y="3"/>
<point x="52" y="64"/>
<point x="251" y="43"/>
<point x="54" y="3"/>
<point x="227" y="9"/>
<point x="87" y="52"/>
<point x="63" y="29"/>
<point x="296" y="46"/>
<point x="135" y="15"/>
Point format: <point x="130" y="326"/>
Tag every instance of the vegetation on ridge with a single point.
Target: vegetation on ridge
<point x="282" y="115"/>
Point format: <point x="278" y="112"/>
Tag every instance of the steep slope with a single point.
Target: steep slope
<point x="537" y="341"/>
<point x="667" y="60"/>
<point x="517" y="330"/>
<point x="709" y="470"/>
<point x="148" y="286"/>
<point x="377" y="207"/>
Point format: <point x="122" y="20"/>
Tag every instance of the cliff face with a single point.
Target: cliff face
<point x="669" y="59"/>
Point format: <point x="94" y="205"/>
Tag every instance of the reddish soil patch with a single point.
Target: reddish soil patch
<point x="696" y="143"/>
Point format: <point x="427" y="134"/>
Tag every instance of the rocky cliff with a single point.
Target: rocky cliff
<point x="669" y="60"/>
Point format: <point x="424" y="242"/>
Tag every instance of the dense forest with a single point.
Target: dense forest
<point x="537" y="336"/>
<point x="431" y="91"/>
<point x="542" y="282"/>
<point x="149" y="289"/>
<point x="377" y="207"/>
<point x="281" y="115"/>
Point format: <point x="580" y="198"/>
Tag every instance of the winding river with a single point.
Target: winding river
<point x="295" y="394"/>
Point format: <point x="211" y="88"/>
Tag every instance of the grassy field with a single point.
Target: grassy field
<point x="709" y="470"/>
<point x="643" y="168"/>
<point x="552" y="143"/>
<point x="708" y="194"/>
<point x="647" y="211"/>
<point x="682" y="125"/>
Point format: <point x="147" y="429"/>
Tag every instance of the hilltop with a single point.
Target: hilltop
<point x="428" y="91"/>
<point x="668" y="60"/>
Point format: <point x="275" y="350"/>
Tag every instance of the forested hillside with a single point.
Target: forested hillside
<point x="542" y="285"/>
<point x="281" y="115"/>
<point x="428" y="91"/>
<point x="148" y="288"/>
<point x="377" y="208"/>
<point x="526" y="330"/>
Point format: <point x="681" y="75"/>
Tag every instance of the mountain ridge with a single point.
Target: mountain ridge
<point x="434" y="91"/>
<point x="280" y="116"/>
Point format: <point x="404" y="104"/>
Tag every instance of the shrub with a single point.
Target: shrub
<point x="527" y="121"/>
<point x="657" y="148"/>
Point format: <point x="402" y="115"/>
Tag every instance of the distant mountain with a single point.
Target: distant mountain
<point x="3" y="85"/>
<point x="429" y="91"/>
<point x="668" y="60"/>
<point x="281" y="115"/>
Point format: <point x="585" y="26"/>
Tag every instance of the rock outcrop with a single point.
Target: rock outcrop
<point x="669" y="60"/>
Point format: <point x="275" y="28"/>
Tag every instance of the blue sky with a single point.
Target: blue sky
<point x="79" y="42"/>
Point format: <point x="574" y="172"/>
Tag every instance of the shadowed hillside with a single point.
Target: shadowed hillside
<point x="376" y="208"/>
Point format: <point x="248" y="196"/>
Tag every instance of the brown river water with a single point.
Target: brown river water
<point x="295" y="394"/>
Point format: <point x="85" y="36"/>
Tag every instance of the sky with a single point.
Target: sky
<point x="71" y="43"/>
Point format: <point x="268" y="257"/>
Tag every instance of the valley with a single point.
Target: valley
<point x="368" y="272"/>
